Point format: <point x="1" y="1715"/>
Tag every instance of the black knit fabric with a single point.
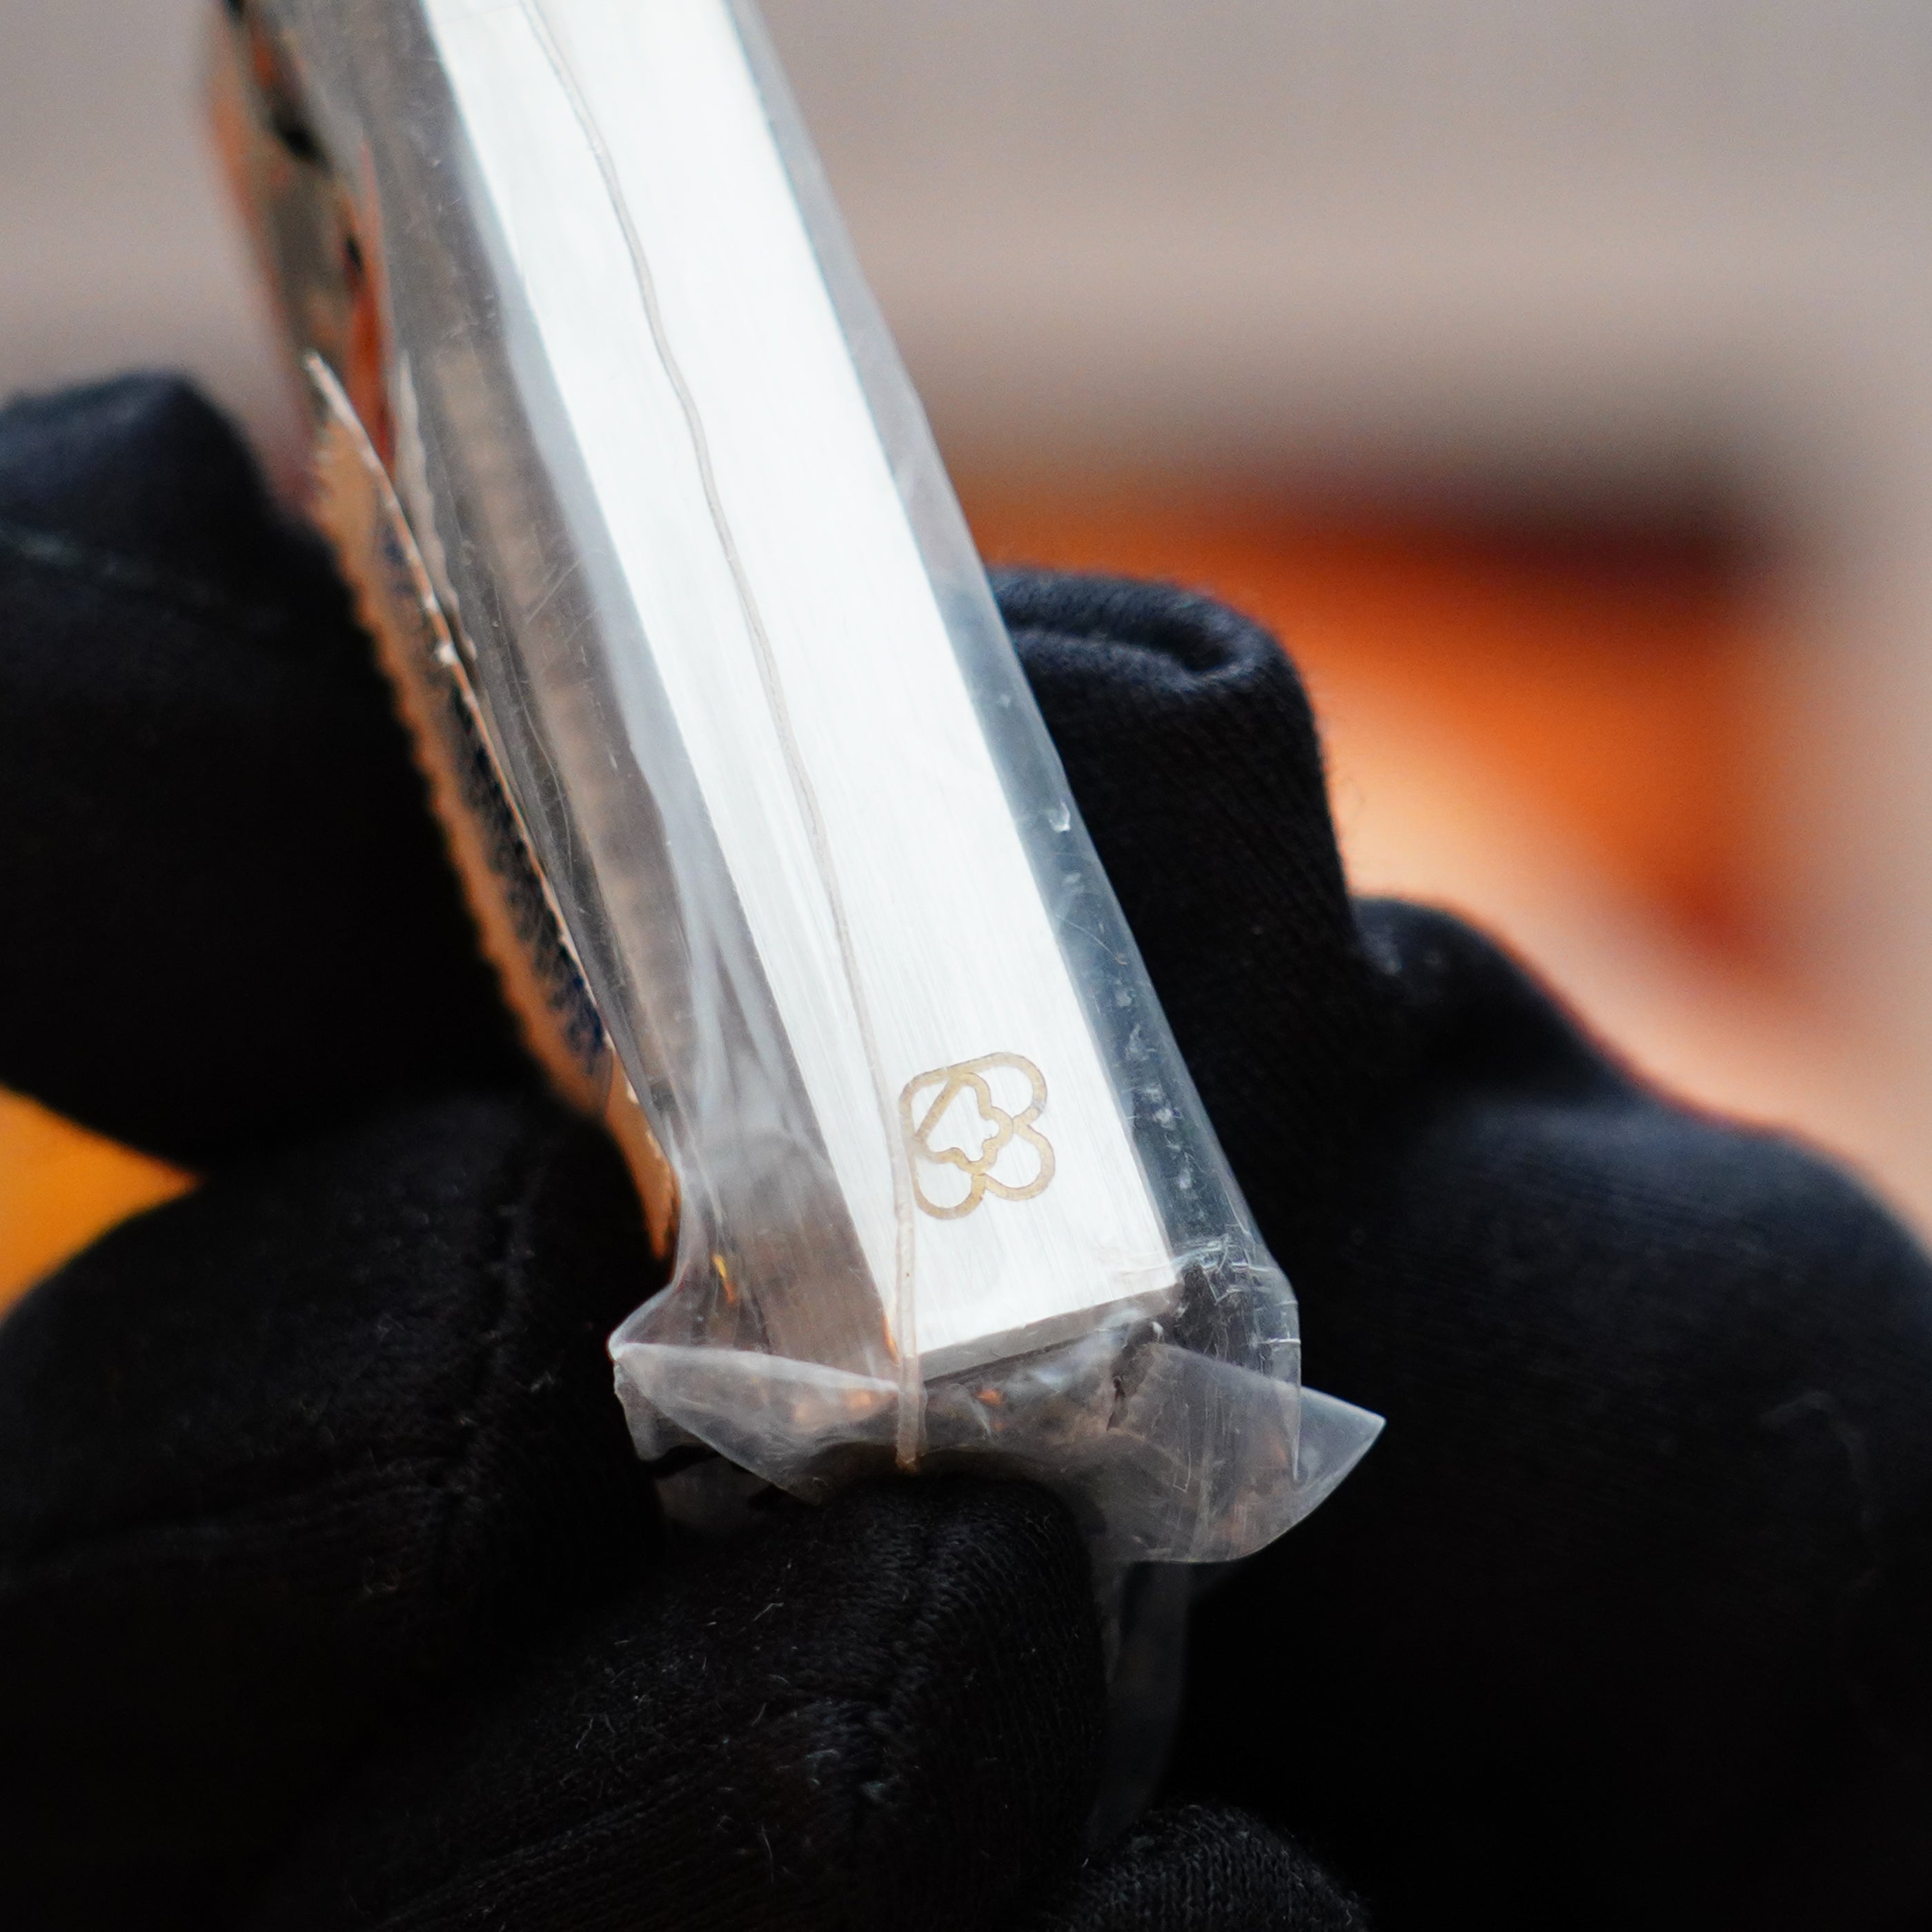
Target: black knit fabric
<point x="330" y="1595"/>
<point x="276" y="1458"/>
<point x="886" y="1713"/>
<point x="1655" y="1504"/>
<point x="229" y="918"/>
<point x="1194" y="1866"/>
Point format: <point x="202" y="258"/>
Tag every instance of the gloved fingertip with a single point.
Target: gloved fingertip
<point x="1193" y="754"/>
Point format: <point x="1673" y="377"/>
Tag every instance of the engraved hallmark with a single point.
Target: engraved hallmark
<point x="965" y="1144"/>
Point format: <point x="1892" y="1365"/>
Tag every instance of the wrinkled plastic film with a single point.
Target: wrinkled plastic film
<point x="648" y="524"/>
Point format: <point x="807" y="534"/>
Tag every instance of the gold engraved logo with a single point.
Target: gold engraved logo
<point x="970" y="1130"/>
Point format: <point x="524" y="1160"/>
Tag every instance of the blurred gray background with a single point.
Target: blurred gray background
<point x="1522" y="242"/>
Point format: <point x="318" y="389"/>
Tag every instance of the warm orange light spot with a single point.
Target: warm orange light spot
<point x="60" y="1186"/>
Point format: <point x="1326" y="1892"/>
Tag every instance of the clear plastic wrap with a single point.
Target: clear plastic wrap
<point x="757" y="813"/>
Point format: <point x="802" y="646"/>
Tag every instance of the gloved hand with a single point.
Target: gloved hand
<point x="327" y="1591"/>
<point x="332" y="1593"/>
<point x="1626" y="1620"/>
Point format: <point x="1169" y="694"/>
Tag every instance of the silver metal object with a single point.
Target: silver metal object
<point x="760" y="820"/>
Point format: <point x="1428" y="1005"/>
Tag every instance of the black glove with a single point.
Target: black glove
<point x="331" y="1592"/>
<point x="1626" y="1619"/>
<point x="1618" y="1625"/>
